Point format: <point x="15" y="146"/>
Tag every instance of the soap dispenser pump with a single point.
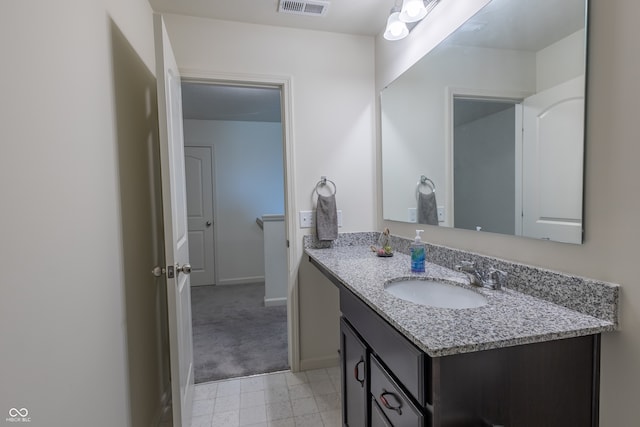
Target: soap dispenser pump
<point x="418" y="253"/>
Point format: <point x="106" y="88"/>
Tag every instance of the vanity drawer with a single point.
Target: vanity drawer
<point x="397" y="408"/>
<point x="378" y="419"/>
<point x="409" y="365"/>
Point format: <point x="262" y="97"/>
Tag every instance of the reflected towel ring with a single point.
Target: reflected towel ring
<point x="323" y="181"/>
<point x="426" y="182"/>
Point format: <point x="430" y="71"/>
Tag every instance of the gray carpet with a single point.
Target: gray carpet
<point x="234" y="335"/>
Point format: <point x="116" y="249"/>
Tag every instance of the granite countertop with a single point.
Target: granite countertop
<point x="509" y="318"/>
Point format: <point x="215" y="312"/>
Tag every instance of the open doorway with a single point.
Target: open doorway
<point x="485" y="163"/>
<point x="234" y="159"/>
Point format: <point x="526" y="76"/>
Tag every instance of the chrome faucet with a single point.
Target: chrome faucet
<point x="469" y="268"/>
<point x="492" y="279"/>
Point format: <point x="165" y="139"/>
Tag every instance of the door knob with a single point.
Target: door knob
<point x="186" y="269"/>
<point x="157" y="271"/>
<point x="208" y="223"/>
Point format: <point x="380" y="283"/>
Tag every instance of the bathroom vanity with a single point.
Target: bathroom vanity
<point x="519" y="360"/>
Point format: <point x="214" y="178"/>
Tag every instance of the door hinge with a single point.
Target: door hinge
<point x="287" y="242"/>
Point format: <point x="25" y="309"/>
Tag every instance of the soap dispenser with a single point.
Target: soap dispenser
<point x="418" y="254"/>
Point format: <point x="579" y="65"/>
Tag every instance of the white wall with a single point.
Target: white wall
<point x="76" y="165"/>
<point x="333" y="132"/>
<point x="612" y="234"/>
<point x="249" y="182"/>
<point x="276" y="276"/>
<point x="561" y="61"/>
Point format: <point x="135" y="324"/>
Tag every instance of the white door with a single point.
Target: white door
<point x="175" y="227"/>
<point x="553" y="140"/>
<point x="199" y="173"/>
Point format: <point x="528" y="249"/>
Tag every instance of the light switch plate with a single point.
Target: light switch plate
<point x="440" y="213"/>
<point x="308" y="218"/>
<point x="412" y="215"/>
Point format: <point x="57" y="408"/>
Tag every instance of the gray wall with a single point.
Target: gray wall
<point x="484" y="173"/>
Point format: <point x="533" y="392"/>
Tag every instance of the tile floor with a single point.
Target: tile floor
<point x="282" y="399"/>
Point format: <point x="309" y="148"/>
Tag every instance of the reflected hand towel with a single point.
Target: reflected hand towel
<point x="327" y="218"/>
<point x="427" y="208"/>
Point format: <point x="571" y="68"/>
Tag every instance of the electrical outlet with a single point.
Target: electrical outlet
<point x="339" y="218"/>
<point x="307" y="219"/>
<point x="412" y="215"/>
<point x="440" y="213"/>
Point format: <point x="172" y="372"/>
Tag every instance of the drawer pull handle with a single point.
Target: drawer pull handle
<point x="356" y="372"/>
<point x="385" y="402"/>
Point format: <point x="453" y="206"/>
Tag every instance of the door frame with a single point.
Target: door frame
<point x="285" y="85"/>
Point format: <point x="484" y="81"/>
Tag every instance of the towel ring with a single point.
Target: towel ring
<point x="426" y="182"/>
<point x="323" y="182"/>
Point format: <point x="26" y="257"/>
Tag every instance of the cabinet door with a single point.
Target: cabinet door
<point x="355" y="383"/>
<point x="410" y="365"/>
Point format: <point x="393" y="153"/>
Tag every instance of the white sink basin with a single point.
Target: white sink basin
<point x="434" y="293"/>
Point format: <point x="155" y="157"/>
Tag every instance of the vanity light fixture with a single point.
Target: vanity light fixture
<point x="411" y="12"/>
<point x="396" y="29"/>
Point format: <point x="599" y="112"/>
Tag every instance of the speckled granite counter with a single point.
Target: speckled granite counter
<point x="510" y="317"/>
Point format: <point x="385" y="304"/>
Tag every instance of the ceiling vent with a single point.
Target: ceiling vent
<point x="304" y="7"/>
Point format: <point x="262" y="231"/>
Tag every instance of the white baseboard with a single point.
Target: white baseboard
<point x="270" y="302"/>
<point x="319" y="363"/>
<point x="241" y="280"/>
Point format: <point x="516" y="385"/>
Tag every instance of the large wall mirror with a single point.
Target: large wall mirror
<point x="486" y="132"/>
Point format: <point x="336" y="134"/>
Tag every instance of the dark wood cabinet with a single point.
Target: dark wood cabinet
<point x="392" y="383"/>
<point x="393" y="402"/>
<point x="355" y="373"/>
<point x="378" y="419"/>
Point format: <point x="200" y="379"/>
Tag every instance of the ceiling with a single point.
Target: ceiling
<point x="362" y="17"/>
<point x="202" y="101"/>
<point x="505" y="24"/>
<point x="469" y="110"/>
<point x="521" y="25"/>
<point x="217" y="102"/>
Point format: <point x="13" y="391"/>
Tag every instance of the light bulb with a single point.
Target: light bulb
<point x="395" y="29"/>
<point x="413" y="10"/>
